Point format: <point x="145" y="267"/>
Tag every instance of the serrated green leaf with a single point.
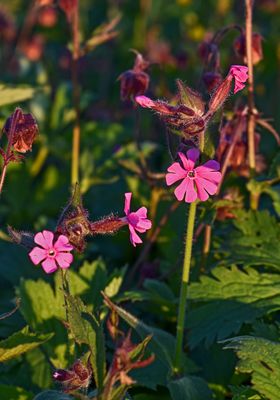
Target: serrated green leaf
<point x="228" y="299"/>
<point x="255" y="240"/>
<point x="260" y="358"/>
<point x="189" y="388"/>
<point x="10" y="95"/>
<point x="87" y="329"/>
<point x="14" y="393"/>
<point x="20" y="342"/>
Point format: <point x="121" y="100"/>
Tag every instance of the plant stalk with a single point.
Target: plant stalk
<point x="184" y="288"/>
<point x="76" y="98"/>
<point x="251" y="102"/>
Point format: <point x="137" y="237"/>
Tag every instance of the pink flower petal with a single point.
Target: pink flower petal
<point x="143" y="225"/>
<point x="49" y="265"/>
<point x="211" y="164"/>
<point x="142" y="212"/>
<point x="144" y="101"/>
<point x="209" y="186"/>
<point x="176" y="172"/>
<point x="134" y="238"/>
<point x="238" y="86"/>
<point x="190" y="160"/>
<point x="201" y="192"/>
<point x="210" y="174"/>
<point x="44" y="239"/>
<point x="186" y="189"/>
<point x="127" y="201"/>
<point x="62" y="244"/>
<point x="37" y="255"/>
<point x="64" y="259"/>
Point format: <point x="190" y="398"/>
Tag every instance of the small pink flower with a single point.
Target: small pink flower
<point x="137" y="221"/>
<point x="240" y="74"/>
<point x="144" y="101"/>
<point x="53" y="255"/>
<point x="196" y="182"/>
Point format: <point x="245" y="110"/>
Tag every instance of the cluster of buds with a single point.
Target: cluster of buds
<point x="135" y="81"/>
<point x="78" y="376"/>
<point x="190" y="117"/>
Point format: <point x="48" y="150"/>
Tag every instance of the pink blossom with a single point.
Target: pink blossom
<point x="144" y="101"/>
<point x="137" y="221"/>
<point x="51" y="255"/>
<point x="196" y="182"/>
<point x="240" y="74"/>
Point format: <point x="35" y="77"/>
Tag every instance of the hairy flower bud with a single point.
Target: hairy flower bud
<point x="106" y="225"/>
<point x="257" y="51"/>
<point x="25" y="131"/>
<point x="135" y="82"/>
<point x="78" y="376"/>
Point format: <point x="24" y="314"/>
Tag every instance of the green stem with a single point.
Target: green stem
<point x="184" y="288"/>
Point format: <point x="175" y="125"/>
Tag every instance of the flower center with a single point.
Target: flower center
<point x="52" y="253"/>
<point x="191" y="174"/>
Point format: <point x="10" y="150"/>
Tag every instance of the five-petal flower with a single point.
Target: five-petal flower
<point x="137" y="221"/>
<point x="199" y="182"/>
<point x="51" y="255"/>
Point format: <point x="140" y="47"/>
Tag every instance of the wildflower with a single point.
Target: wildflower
<point x="199" y="182"/>
<point x="137" y="221"/>
<point x="135" y="81"/>
<point x="240" y="74"/>
<point x="52" y="255"/>
<point x="74" y="378"/>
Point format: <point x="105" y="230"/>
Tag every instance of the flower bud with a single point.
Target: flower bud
<point x="220" y="94"/>
<point x="212" y="80"/>
<point x="78" y="376"/>
<point x="257" y="51"/>
<point x="107" y="225"/>
<point x="135" y="81"/>
<point x="25" y="131"/>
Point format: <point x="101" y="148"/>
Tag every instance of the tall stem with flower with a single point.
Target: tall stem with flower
<point x="190" y="118"/>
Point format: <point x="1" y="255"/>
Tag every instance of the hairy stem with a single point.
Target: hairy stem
<point x="184" y="288"/>
<point x="251" y="102"/>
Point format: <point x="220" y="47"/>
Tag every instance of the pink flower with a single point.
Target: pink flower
<point x="196" y="182"/>
<point x="145" y="101"/>
<point x="240" y="74"/>
<point x="53" y="255"/>
<point x="137" y="221"/>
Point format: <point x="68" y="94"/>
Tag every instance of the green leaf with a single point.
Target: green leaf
<point x="20" y="342"/>
<point x="87" y="329"/>
<point x="10" y="95"/>
<point x="244" y="393"/>
<point x="43" y="309"/>
<point x="255" y="240"/>
<point x="53" y="395"/>
<point x="14" y="393"/>
<point x="260" y="358"/>
<point x="228" y="299"/>
<point x="189" y="388"/>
